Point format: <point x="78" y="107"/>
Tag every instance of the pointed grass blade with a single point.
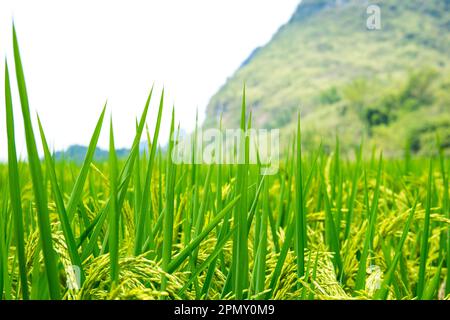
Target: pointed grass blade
<point x="14" y="187"/>
<point x="37" y="178"/>
<point x="81" y="179"/>
<point x="65" y="222"/>
<point x="360" y="281"/>
<point x="114" y="213"/>
<point x="145" y="201"/>
<point x="424" y="247"/>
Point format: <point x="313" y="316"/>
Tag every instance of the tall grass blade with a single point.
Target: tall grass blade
<point x="14" y="188"/>
<point x="37" y="178"/>
<point x="145" y="202"/>
<point x="79" y="184"/>
<point x="360" y="281"/>
<point x="114" y="211"/>
<point x="65" y="222"/>
<point x="300" y="219"/>
<point x="240" y="244"/>
<point x="169" y="212"/>
<point x="425" y="236"/>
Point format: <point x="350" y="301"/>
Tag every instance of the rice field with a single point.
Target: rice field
<point x="327" y="225"/>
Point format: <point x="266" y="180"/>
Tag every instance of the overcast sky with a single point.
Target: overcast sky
<point x="78" y="54"/>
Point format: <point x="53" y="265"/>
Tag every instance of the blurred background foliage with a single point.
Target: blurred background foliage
<point x="388" y="86"/>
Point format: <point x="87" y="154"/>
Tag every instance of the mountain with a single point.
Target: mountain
<point x="390" y="85"/>
<point x="77" y="153"/>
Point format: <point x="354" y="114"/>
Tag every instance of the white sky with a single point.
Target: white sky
<point x="77" y="54"/>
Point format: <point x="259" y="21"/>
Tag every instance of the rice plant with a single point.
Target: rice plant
<point x="327" y="225"/>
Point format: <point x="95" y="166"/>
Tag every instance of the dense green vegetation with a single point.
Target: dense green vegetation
<point x="323" y="227"/>
<point x="351" y="81"/>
